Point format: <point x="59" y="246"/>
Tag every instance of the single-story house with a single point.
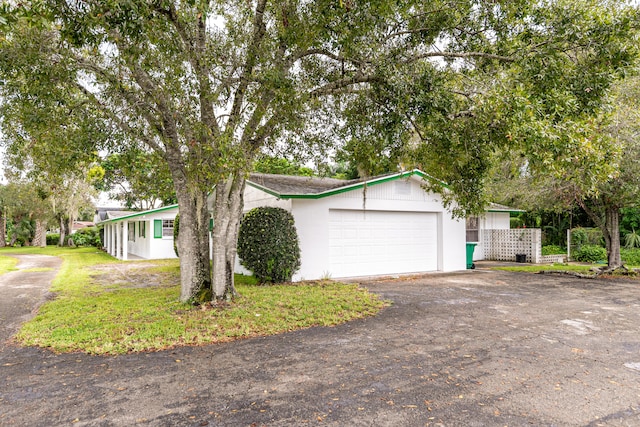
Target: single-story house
<point x="148" y="234"/>
<point x="378" y="226"/>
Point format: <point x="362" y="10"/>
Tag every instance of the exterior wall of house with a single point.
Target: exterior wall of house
<point x="254" y="198"/>
<point x="140" y="239"/>
<point x="312" y="223"/>
<point x="489" y="221"/>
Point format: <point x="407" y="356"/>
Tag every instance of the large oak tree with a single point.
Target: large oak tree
<point x="207" y="85"/>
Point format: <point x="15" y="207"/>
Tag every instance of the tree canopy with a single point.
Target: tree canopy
<point x="208" y="85"/>
<point x="138" y="178"/>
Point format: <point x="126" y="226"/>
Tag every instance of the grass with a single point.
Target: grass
<point x="98" y="312"/>
<point x="534" y="268"/>
<point x="7" y="264"/>
<point x="576" y="268"/>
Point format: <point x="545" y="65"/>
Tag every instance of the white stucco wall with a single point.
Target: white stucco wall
<point x="149" y="247"/>
<point x="312" y="223"/>
<point x="254" y="198"/>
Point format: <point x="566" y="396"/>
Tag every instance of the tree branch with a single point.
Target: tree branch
<point x="458" y="55"/>
<point x="124" y="126"/>
<point x="195" y="49"/>
<point x="338" y="86"/>
<point x="129" y="97"/>
<point x="259" y="30"/>
<point x="324" y="52"/>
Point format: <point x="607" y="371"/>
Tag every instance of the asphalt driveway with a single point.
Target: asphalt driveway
<point x="22" y="291"/>
<point x="477" y="348"/>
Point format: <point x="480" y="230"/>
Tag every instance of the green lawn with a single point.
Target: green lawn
<point x="577" y="268"/>
<point x="104" y="306"/>
<point x="7" y="264"/>
<point x="534" y="268"/>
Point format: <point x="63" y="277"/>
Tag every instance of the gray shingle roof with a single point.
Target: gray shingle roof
<point x="288" y="184"/>
<point x="495" y="207"/>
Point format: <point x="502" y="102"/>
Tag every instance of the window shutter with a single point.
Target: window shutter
<point x="157" y="229"/>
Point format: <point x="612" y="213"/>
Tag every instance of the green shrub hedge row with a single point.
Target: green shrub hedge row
<point x="53" y="239"/>
<point x="553" y="250"/>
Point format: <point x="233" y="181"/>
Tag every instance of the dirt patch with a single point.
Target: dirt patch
<point x="130" y="276"/>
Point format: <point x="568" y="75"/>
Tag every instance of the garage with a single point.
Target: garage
<point x="385" y="225"/>
<point x="364" y="242"/>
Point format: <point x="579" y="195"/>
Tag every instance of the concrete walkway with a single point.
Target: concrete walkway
<point x="22" y="291"/>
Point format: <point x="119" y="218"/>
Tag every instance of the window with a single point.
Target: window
<point x="142" y="229"/>
<point x="167" y="228"/>
<point x="472" y="229"/>
<point x="132" y="231"/>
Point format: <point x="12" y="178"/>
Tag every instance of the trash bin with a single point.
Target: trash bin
<point x="470" y="247"/>
<point x="521" y="257"/>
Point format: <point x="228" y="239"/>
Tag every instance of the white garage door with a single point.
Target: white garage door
<point x="363" y="243"/>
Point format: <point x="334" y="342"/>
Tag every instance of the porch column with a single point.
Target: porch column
<point x="125" y="239"/>
<point x="112" y="231"/>
<point x="105" y="243"/>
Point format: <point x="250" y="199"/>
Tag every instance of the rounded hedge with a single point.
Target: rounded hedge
<point x="268" y="244"/>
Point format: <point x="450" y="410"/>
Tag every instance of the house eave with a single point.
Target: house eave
<point x="509" y="211"/>
<point x="138" y="214"/>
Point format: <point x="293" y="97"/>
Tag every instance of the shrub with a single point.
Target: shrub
<point x="89" y="236"/>
<point x="630" y="256"/>
<point x="590" y="253"/>
<point x="53" y="239"/>
<point x="632" y="240"/>
<point x="553" y="250"/>
<point x="176" y="231"/>
<point x="268" y="244"/>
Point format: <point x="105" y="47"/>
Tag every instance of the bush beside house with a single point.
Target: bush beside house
<point x="268" y="244"/>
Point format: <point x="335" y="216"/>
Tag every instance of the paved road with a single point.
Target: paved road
<point x="471" y="349"/>
<point x="22" y="291"/>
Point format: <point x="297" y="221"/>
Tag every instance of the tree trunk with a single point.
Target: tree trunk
<point x="193" y="245"/>
<point x="3" y="228"/>
<point x="40" y="237"/>
<point x="227" y="214"/>
<point x="611" y="233"/>
<point x="63" y="231"/>
<point x="610" y="227"/>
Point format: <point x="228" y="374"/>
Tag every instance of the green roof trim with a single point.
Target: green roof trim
<point x="139" y="214"/>
<point x="347" y="188"/>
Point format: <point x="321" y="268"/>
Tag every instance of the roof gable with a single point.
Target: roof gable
<point x="305" y="187"/>
<point x="495" y="207"/>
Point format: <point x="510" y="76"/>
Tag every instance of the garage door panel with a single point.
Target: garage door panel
<point x="381" y="242"/>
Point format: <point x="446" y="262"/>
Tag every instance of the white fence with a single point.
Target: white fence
<point x="504" y="245"/>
